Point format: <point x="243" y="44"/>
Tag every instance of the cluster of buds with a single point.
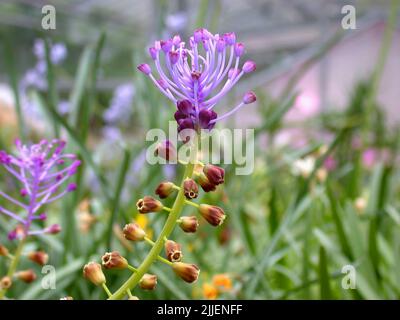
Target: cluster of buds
<point x="208" y="178"/>
<point x="28" y="276"/>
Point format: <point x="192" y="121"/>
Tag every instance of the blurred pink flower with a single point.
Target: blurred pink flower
<point x="369" y="157"/>
<point x="330" y="163"/>
<point x="306" y="106"/>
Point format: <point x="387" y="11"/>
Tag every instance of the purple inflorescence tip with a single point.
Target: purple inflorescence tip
<point x="201" y="73"/>
<point x="173" y="57"/>
<point x="239" y="49"/>
<point x="249" y="66"/>
<point x="230" y="38"/>
<point x="4" y="157"/>
<point x="145" y="68"/>
<point x="153" y="53"/>
<point x="249" y="97"/>
<point x="71" y="187"/>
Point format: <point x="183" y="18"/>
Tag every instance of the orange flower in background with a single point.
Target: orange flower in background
<point x="222" y="281"/>
<point x="209" y="291"/>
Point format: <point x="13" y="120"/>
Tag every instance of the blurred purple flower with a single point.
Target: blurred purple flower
<point x="176" y="22"/>
<point x="42" y="169"/>
<point x="58" y="51"/>
<point x="36" y="77"/>
<point x="169" y="171"/>
<point x="330" y="163"/>
<point x="112" y="134"/>
<point x="120" y="108"/>
<point x="63" y="107"/>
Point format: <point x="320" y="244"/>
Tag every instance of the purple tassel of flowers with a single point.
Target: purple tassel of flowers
<point x="42" y="169"/>
<point x="198" y="77"/>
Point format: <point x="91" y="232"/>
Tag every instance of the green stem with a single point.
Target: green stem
<point x="133" y="269"/>
<point x="384" y="50"/>
<point x="165" y="233"/>
<point x="14" y="264"/>
<point x="193" y="204"/>
<point x="106" y="289"/>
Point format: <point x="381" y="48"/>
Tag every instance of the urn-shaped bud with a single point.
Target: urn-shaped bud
<point x="134" y="232"/>
<point x="5" y="283"/>
<point x="92" y="271"/>
<point x="149" y="204"/>
<point x="214" y="174"/>
<point x="26" y="276"/>
<point x="205" y="184"/>
<point x="213" y="214"/>
<point x="173" y="251"/>
<point x="164" y="189"/>
<point x="190" y="189"/>
<point x="187" y="272"/>
<point x="3" y="251"/>
<point x="39" y="257"/>
<point x="166" y="150"/>
<point x="114" y="260"/>
<point x="189" y="224"/>
<point x="148" y="281"/>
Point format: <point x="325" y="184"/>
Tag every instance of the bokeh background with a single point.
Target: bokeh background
<point x="325" y="190"/>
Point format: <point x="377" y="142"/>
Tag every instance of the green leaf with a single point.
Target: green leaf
<point x="117" y="194"/>
<point x="52" y="85"/>
<point x="344" y="243"/>
<point x="325" y="289"/>
<point x="81" y="80"/>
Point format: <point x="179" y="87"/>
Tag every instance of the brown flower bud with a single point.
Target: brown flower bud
<point x="205" y="184"/>
<point x="133" y="232"/>
<point x="149" y="204"/>
<point x="114" y="260"/>
<point x="189" y="224"/>
<point x="164" y="189"/>
<point x="173" y="251"/>
<point x="214" y="174"/>
<point x="148" y="281"/>
<point x="92" y="271"/>
<point x="190" y="189"/>
<point x="39" y="257"/>
<point x="166" y="150"/>
<point x="188" y="272"/>
<point x="5" y="283"/>
<point x="213" y="214"/>
<point x="3" y="251"/>
<point x="27" y="276"/>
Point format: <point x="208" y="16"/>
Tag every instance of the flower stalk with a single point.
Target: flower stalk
<point x="158" y="246"/>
